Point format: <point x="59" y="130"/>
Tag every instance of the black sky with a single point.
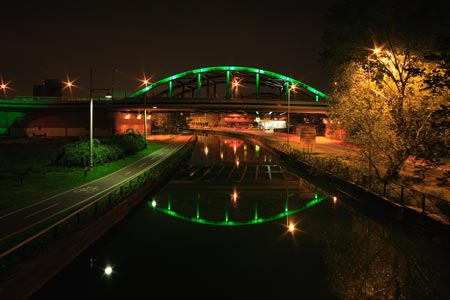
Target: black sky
<point x="159" y="38"/>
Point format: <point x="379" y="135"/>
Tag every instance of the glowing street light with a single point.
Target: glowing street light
<point x="4" y="86"/>
<point x="145" y="82"/>
<point x="291" y="228"/>
<point x="69" y="84"/>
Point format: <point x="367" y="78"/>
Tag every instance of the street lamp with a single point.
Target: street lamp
<point x="145" y="121"/>
<point x="69" y="84"/>
<point x="145" y="82"/>
<point x="91" y="118"/>
<point x="289" y="111"/>
<point x="236" y="86"/>
<point x="4" y="86"/>
<point x="374" y="52"/>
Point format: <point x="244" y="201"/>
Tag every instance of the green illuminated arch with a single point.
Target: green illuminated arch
<point x="272" y="78"/>
<point x="226" y="222"/>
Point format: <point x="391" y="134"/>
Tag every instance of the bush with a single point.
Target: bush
<point x="130" y="142"/>
<point x="104" y="150"/>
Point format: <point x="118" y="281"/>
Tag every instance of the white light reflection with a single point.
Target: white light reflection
<point x="335" y="199"/>
<point x="108" y="270"/>
<point x="234" y="197"/>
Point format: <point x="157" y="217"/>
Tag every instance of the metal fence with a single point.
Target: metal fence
<point x="430" y="205"/>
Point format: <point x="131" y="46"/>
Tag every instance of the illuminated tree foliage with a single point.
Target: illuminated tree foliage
<point x="392" y="103"/>
<point x="168" y="122"/>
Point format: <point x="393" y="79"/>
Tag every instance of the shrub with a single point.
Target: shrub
<point x="130" y="142"/>
<point x="104" y="150"/>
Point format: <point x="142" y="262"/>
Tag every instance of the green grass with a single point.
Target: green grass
<point x="27" y="173"/>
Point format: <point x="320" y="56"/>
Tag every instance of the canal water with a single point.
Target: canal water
<point x="234" y="223"/>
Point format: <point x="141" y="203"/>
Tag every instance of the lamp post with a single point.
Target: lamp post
<point x="374" y="51"/>
<point x="145" y="121"/>
<point x="91" y="121"/>
<point x="145" y="82"/>
<point x="113" y="80"/>
<point x="289" y="113"/>
<point x="91" y="118"/>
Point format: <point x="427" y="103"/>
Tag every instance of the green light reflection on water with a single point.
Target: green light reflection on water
<point x="227" y="222"/>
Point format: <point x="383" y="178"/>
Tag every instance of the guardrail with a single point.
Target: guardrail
<point x="429" y="205"/>
<point x="34" y="239"/>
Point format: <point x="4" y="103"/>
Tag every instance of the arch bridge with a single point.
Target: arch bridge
<point x="220" y="89"/>
<point x="225" y="87"/>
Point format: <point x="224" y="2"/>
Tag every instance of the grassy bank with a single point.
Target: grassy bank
<point x="27" y="172"/>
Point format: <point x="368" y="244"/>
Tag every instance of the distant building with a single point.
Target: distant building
<point x="50" y="88"/>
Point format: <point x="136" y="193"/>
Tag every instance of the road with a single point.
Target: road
<point x="18" y="220"/>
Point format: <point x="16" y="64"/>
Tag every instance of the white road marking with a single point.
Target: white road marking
<point x="44" y="209"/>
<point x="87" y="189"/>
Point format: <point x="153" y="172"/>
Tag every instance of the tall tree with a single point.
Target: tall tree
<point x="388" y="100"/>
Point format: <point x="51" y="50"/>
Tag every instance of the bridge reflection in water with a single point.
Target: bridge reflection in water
<point x="238" y="185"/>
<point x="337" y="250"/>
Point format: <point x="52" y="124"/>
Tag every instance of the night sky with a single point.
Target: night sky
<point x="124" y="40"/>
